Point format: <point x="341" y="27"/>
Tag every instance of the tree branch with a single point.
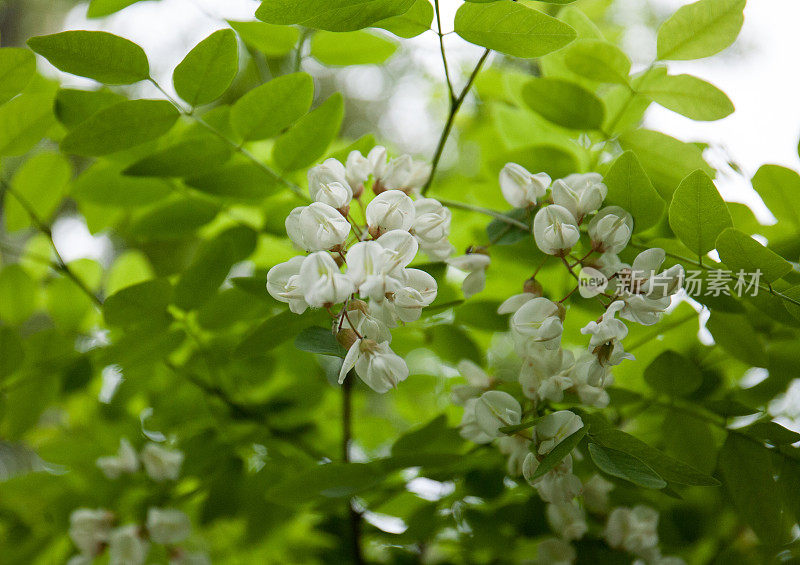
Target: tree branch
<point x="448" y="126"/>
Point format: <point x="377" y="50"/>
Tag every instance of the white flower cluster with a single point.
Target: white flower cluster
<point x="95" y="530"/>
<point x="363" y="264"/>
<point x="635" y="293"/>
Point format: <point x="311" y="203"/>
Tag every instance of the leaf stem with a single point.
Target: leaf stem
<point x="455" y="105"/>
<point x="487" y="212"/>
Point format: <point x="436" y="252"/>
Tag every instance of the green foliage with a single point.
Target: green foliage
<point x="17" y="67"/>
<point x="739" y="251"/>
<point x="352" y="48"/>
<point x="42" y="183"/>
<point x="271" y="40"/>
<point x="332" y="15"/>
<point x="620" y="464"/>
<point x="102" y="8"/>
<point x="701" y="29"/>
<point x="307" y="140"/>
<point x="512" y="28"/>
<point x="209" y="69"/>
<point x="98" y="55"/>
<point x="564" y="103"/>
<point x="598" y="61"/>
<point x="630" y="188"/>
<point x="412" y="23"/>
<point x="272" y="107"/>
<point x="690" y="97"/>
<point x="23" y="122"/>
<point x="697" y="213"/>
<point x="673" y="374"/>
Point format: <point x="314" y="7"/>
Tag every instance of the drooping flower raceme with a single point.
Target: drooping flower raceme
<point x="358" y="266"/>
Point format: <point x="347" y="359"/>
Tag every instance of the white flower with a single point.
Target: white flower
<point x="567" y="520"/>
<point x="321" y="281"/>
<point x="432" y="227"/>
<point x="558" y="485"/>
<point x="283" y="284"/>
<point x="580" y="193"/>
<point x="402" y="248"/>
<point x="610" y="264"/>
<point x="515" y="302"/>
<point x="475" y="264"/>
<point x="520" y="188"/>
<point x="554" y="551"/>
<point x="317" y="227"/>
<point x="517" y="449"/>
<point x="126" y="547"/>
<point x="611" y="229"/>
<point x="418" y="291"/>
<point x="644" y="310"/>
<point x="89" y="529"/>
<point x="595" y="494"/>
<point x="81" y="560"/>
<point x="168" y="526"/>
<point x="125" y="461"/>
<point x="377" y="158"/>
<point x="404" y="173"/>
<point x="633" y="529"/>
<point x="362" y="318"/>
<point x="538" y="322"/>
<point x="496" y="409"/>
<point x="376" y="364"/>
<point x="546" y="376"/>
<point x="161" y="463"/>
<point x="664" y="284"/>
<point x="554" y="428"/>
<point x="555" y="230"/>
<point x="477" y="379"/>
<point x="390" y="210"/>
<point x="369" y="269"/>
<point x="589" y="378"/>
<point x="469" y="428"/>
<point x="328" y="183"/>
<point x="357" y="170"/>
<point x="607" y="335"/>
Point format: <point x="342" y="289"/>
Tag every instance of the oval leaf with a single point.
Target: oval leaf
<point x="331" y="15"/>
<point x="564" y="103"/>
<point x="308" y="139"/>
<point x="17" y="67"/>
<point x="698" y="213"/>
<point x="209" y="69"/>
<point x="624" y="466"/>
<point x="630" y="187"/>
<point x="690" y="97"/>
<point x="598" y="60"/>
<point x="740" y="252"/>
<point x="272" y="107"/>
<point x="701" y="29"/>
<point x="351" y="48"/>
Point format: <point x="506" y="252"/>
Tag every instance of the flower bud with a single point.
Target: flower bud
<point x="533" y="286"/>
<point x="390" y="210"/>
<point x="520" y="188"/>
<point x="328" y="183"/>
<point x="90" y="529"/>
<point x="357" y="171"/>
<point x="555" y="230"/>
<point x="126" y="546"/>
<point x="580" y="193"/>
<point x="611" y="229"/>
<point x="168" y="526"/>
<point x="346" y="337"/>
<point x="496" y="409"/>
<point x="161" y="463"/>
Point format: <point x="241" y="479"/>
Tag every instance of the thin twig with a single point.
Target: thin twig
<point x="444" y="56"/>
<point x="487" y="212"/>
<point x="448" y="126"/>
<point x="235" y="146"/>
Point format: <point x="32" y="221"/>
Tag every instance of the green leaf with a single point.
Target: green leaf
<point x="599" y="61"/>
<point x="697" y="213"/>
<point x="433" y="437"/>
<point x="564" y="103"/>
<point x="98" y="55"/>
<point x="17" y="295"/>
<point x="779" y="187"/>
<point x="189" y="157"/>
<point x="308" y="139"/>
<point x="512" y="28"/>
<point x="274" y="331"/>
<point x="740" y="252"/>
<point x="103" y="185"/>
<point x="271" y="40"/>
<point x="24" y="121"/>
<point x="209" y="69"/>
<point x="670" y="469"/>
<point x="238" y="179"/>
<point x="103" y="8"/>
<point x="211" y="265"/>
<point x="174" y="219"/>
<point x="316" y="339"/>
<point x="121" y="127"/>
<point x="747" y="471"/>
<point x="734" y="333"/>
<point x="667" y="160"/>
<point x="701" y="29"/>
<point x="690" y="97"/>
<point x="17" y="68"/>
<point x="13" y="351"/>
<point x="415" y="21"/>
<point x="503" y="233"/>
<point x="143" y="303"/>
<point x="772" y="432"/>
<point x="351" y="48"/>
<point x="272" y="107"/>
<point x="629" y="187"/>
<point x="673" y="374"/>
<point x="559" y="452"/>
<point x="74" y="106"/>
<point x="42" y="181"/>
<point x="794" y="293"/>
<point x="619" y="464"/>
<point x="331" y="15"/>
